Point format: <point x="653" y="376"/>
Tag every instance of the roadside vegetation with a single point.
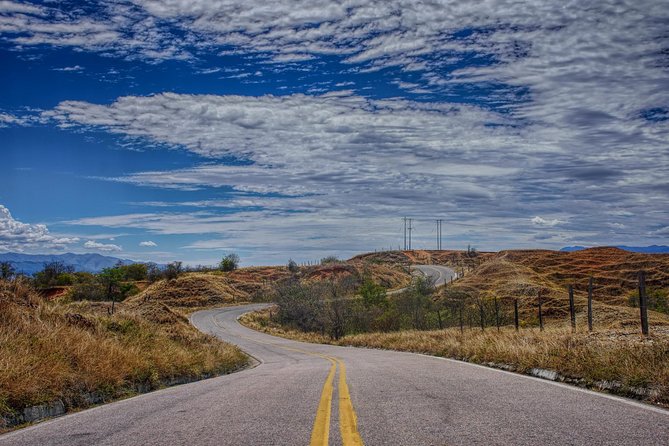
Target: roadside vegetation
<point x="82" y="338"/>
<point x="77" y="352"/>
<point x="79" y="338"/>
<point x="473" y="318"/>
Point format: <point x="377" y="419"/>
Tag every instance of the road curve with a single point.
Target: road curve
<point x="440" y="274"/>
<point x="385" y="398"/>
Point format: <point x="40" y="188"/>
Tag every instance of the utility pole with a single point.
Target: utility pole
<point x="439" y="221"/>
<point x="410" y="228"/>
<point x="405" y="233"/>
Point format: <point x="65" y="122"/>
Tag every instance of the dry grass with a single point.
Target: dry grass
<point x="611" y="355"/>
<point x="523" y="275"/>
<point x="588" y="359"/>
<point x="62" y="351"/>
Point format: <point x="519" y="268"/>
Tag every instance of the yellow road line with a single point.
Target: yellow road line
<point x="320" y="433"/>
<point x="348" y="424"/>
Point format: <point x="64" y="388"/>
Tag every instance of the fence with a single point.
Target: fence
<point x="485" y="313"/>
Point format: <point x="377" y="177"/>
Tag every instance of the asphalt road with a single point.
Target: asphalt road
<point x="298" y="395"/>
<point x="440" y="274"/>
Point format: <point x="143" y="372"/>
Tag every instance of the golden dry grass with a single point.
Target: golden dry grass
<point x="54" y="351"/>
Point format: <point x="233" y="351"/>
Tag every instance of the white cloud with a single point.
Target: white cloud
<point x="20" y="237"/>
<point x="72" y="68"/>
<point x="148" y="244"/>
<point x="90" y="244"/>
<point x="539" y="221"/>
<point x="7" y="119"/>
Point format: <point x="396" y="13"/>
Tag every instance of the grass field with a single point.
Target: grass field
<point x="51" y="351"/>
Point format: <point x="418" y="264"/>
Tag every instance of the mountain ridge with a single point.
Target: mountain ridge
<point x="89" y="262"/>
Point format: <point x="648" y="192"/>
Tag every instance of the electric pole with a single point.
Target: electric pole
<point x="439" y="222"/>
<point x="410" y="228"/>
<point x="405" y="233"/>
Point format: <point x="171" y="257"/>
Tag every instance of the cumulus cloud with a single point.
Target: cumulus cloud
<point x="20" y="237"/>
<point x="104" y="247"/>
<point x="148" y="244"/>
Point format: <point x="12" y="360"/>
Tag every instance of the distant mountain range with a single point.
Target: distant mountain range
<point x="32" y="263"/>
<point x="654" y="249"/>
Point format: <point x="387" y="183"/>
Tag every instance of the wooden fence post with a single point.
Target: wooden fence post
<point x="497" y="313"/>
<point x="541" y="316"/>
<point x="590" y="304"/>
<point x="482" y="314"/>
<point x="515" y="313"/>
<point x="572" y="310"/>
<point x="643" y="303"/>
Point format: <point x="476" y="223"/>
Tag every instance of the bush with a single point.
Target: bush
<point x="135" y="271"/>
<point x="88" y="290"/>
<point x="65" y="279"/>
<point x="658" y="300"/>
<point x="373" y="295"/>
<point x="292" y="266"/>
<point x="173" y="270"/>
<point x="153" y="273"/>
<point x="229" y="262"/>
<point x="329" y="259"/>
<point x="7" y="270"/>
<point x="48" y="277"/>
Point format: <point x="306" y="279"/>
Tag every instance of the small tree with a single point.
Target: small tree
<point x="373" y="295"/>
<point x="292" y="266"/>
<point x="153" y="273"/>
<point x="173" y="270"/>
<point x="111" y="278"/>
<point x="7" y="270"/>
<point x="229" y="262"/>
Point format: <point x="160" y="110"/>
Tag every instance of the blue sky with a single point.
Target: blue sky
<point x="172" y="129"/>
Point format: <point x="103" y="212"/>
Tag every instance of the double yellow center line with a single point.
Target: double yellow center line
<point x="348" y="425"/>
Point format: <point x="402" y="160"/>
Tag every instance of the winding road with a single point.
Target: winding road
<point x="309" y="394"/>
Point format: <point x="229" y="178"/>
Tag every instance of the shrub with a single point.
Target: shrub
<point x="49" y="275"/>
<point x="658" y="300"/>
<point x="153" y="273"/>
<point x="7" y="270"/>
<point x="173" y="270"/>
<point x="329" y="259"/>
<point x="373" y="295"/>
<point x="134" y="271"/>
<point x="229" y="262"/>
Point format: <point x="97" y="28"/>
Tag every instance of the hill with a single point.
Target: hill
<point x="32" y="263"/>
<point x="653" y="249"/>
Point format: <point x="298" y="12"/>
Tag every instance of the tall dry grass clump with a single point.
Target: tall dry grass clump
<point x="52" y="351"/>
